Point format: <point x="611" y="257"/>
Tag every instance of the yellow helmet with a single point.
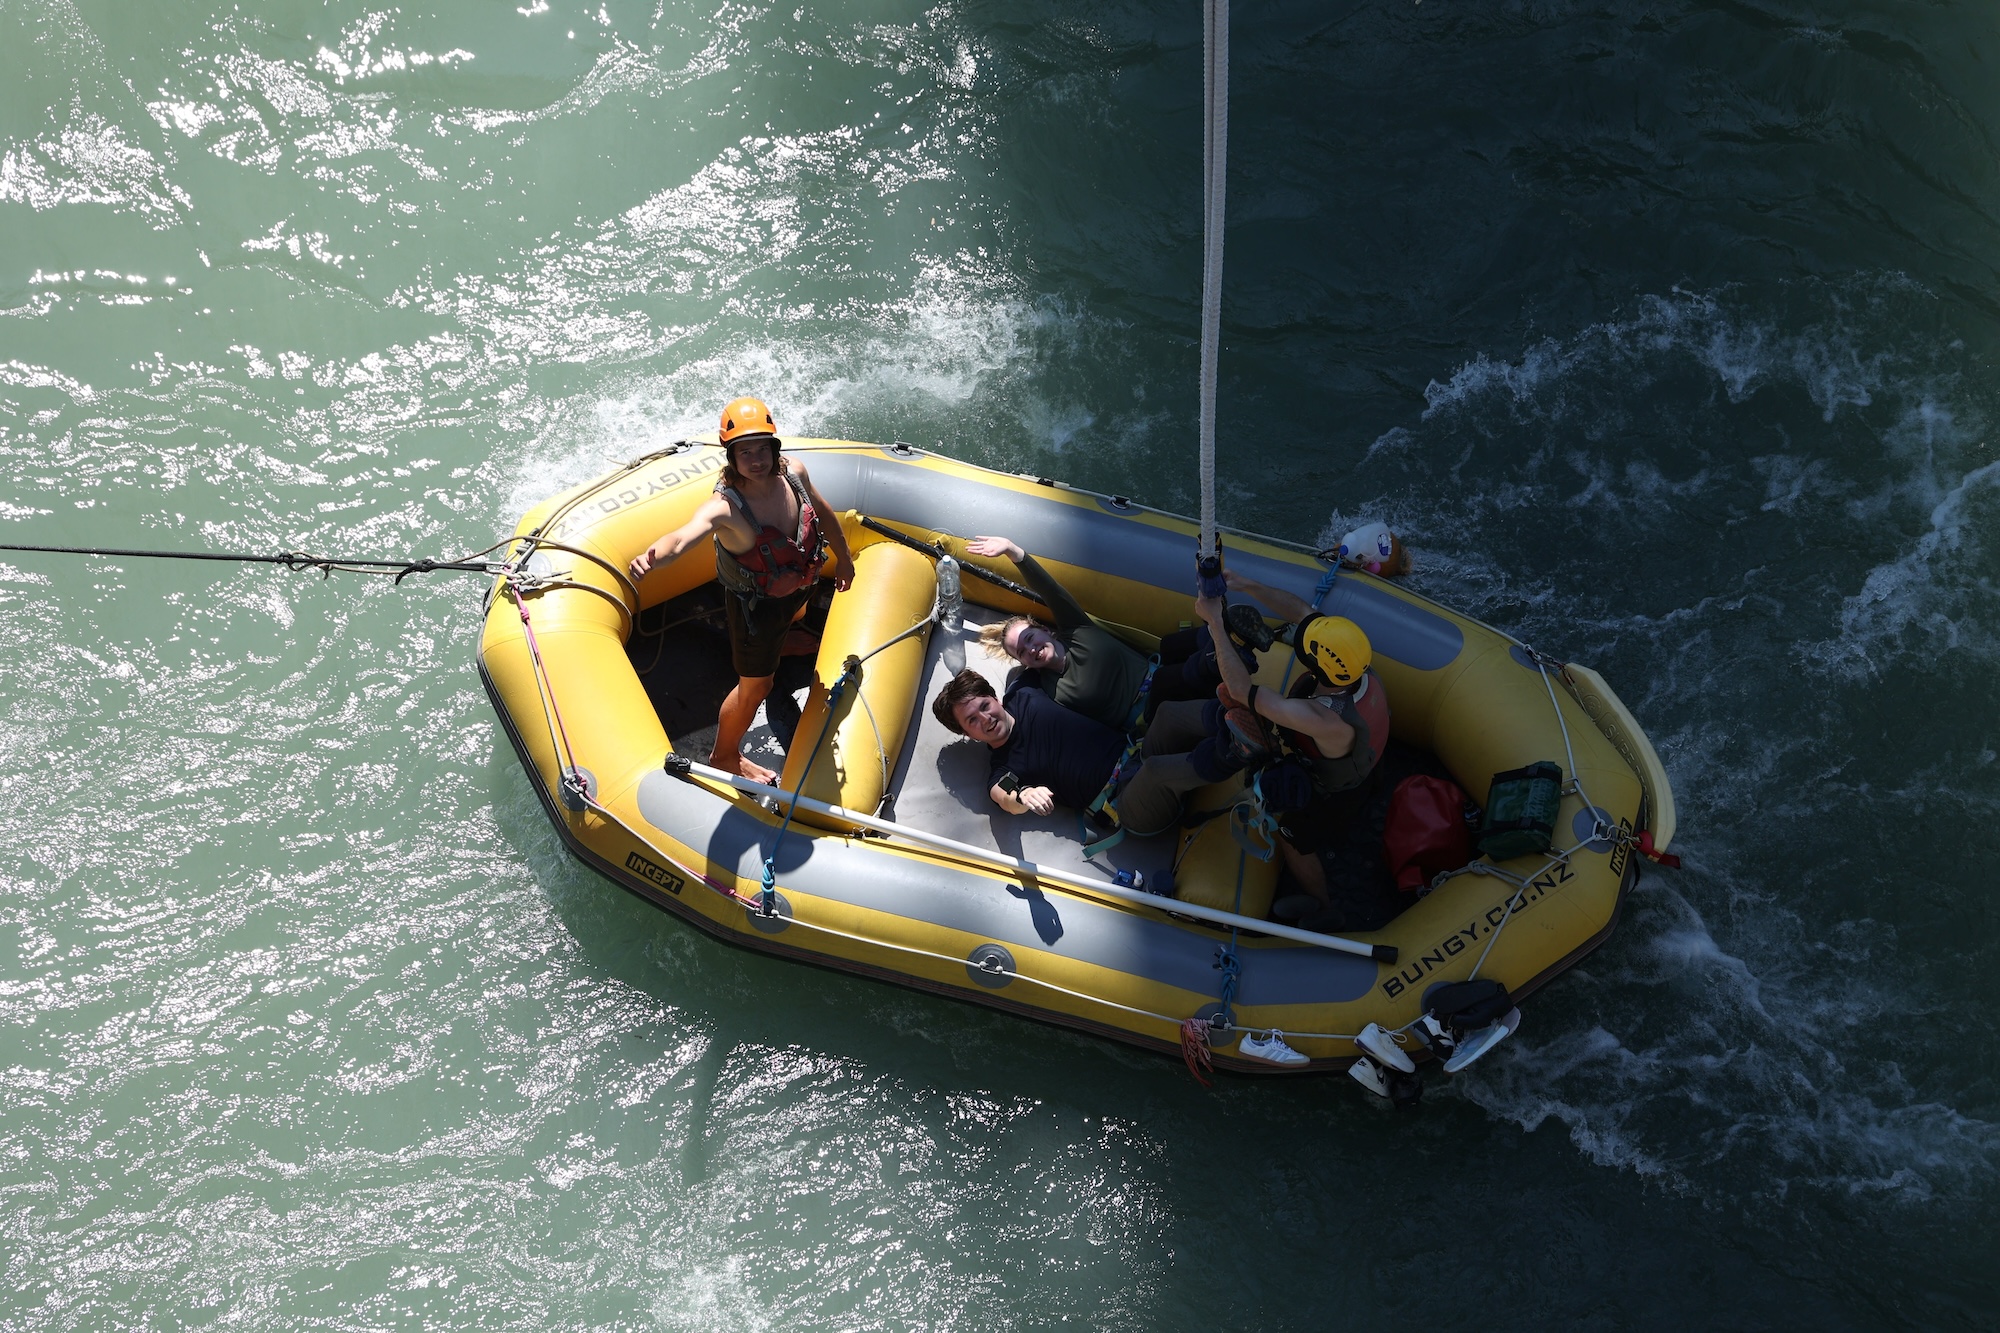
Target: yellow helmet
<point x="745" y="416"/>
<point x="1335" y="648"/>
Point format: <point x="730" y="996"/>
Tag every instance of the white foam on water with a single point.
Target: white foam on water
<point x="952" y="350"/>
<point x="1636" y="428"/>
<point x="1746" y="1032"/>
<point x="1724" y="1082"/>
<point x="1931" y="599"/>
<point x="1743" y="355"/>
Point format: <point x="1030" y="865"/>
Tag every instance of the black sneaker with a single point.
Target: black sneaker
<point x="1246" y="626"/>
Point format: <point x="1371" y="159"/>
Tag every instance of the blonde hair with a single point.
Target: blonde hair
<point x="993" y="635"/>
<point x="1398" y="562"/>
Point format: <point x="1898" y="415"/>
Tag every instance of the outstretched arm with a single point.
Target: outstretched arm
<point x="1285" y="605"/>
<point x="709" y="517"/>
<point x="1064" y="609"/>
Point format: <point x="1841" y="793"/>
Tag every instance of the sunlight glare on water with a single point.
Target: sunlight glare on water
<point x="1657" y="334"/>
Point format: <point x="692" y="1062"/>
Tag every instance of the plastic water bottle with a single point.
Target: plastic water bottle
<point x="1130" y="879"/>
<point x="951" y="614"/>
<point x="1369" y="546"/>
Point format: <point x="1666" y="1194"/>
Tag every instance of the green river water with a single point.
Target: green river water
<point x="1664" y="332"/>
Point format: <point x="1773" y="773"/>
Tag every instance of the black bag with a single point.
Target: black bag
<point x="1468" y="1006"/>
<point x="1520" y="813"/>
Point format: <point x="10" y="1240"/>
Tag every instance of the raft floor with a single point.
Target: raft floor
<point x="940" y="780"/>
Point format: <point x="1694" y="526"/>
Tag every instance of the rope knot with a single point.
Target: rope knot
<point x="1225" y="962"/>
<point x="1326" y="580"/>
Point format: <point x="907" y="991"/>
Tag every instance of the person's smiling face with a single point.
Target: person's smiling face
<point x="1033" y="646"/>
<point x="982" y="718"/>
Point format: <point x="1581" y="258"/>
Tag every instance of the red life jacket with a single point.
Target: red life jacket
<point x="775" y="565"/>
<point x="1371" y="710"/>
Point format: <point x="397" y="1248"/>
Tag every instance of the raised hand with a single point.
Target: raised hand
<point x="990" y="547"/>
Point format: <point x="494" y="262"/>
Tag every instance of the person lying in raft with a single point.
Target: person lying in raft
<point x="1335" y="726"/>
<point x="1084" y="666"/>
<point x="1045" y="755"/>
<point x="772" y="529"/>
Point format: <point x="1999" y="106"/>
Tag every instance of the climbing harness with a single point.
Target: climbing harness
<point x="1101" y="818"/>
<point x="1137" y="713"/>
<point x="1251" y="822"/>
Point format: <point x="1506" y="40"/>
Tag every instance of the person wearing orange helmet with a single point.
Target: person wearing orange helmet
<point x="772" y="529"/>
<point x="1333" y="727"/>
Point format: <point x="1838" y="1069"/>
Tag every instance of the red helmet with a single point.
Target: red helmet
<point x="745" y="417"/>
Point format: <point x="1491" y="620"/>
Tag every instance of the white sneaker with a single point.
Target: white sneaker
<point x="1475" y="1045"/>
<point x="1379" y="1042"/>
<point x="1370" y="1076"/>
<point x="1270" y="1047"/>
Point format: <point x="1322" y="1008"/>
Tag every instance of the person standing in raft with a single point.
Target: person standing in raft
<point x="1084" y="666"/>
<point x="1337" y="726"/>
<point x="772" y="529"/>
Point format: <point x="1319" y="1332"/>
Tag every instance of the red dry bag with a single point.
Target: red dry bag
<point x="1425" y="832"/>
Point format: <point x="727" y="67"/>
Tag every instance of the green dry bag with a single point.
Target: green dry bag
<point x="1520" y="812"/>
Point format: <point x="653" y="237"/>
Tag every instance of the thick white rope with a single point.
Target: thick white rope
<point x="1215" y="164"/>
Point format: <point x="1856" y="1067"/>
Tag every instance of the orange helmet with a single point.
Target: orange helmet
<point x="745" y="417"/>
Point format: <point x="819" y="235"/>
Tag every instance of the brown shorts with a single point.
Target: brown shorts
<point x="757" y="631"/>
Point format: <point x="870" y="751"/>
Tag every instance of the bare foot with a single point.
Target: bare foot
<point x="740" y="765"/>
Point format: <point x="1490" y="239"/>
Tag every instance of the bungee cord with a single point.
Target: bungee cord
<point x="1215" y="169"/>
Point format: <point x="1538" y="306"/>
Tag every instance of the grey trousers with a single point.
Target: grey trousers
<point x="1150" y="801"/>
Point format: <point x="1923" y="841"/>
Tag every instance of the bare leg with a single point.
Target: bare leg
<point x="739" y="710"/>
<point x="1305" y="868"/>
<point x="799" y="641"/>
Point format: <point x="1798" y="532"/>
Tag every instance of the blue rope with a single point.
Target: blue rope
<point x="767" y="903"/>
<point x="1325" y="584"/>
<point x="1225" y="958"/>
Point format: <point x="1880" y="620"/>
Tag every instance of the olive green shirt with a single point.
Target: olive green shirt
<point x="1104" y="673"/>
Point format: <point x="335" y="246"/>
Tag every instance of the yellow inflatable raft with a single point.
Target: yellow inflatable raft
<point x="894" y="864"/>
